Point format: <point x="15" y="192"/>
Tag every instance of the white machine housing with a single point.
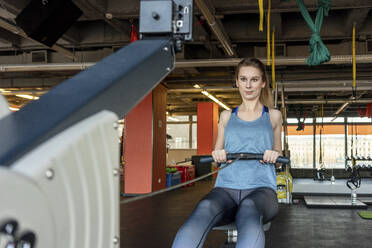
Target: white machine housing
<point x="66" y="190"/>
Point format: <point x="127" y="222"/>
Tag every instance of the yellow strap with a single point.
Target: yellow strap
<point x="260" y="6"/>
<point x="268" y="33"/>
<point x="273" y="58"/>
<point x="354" y="64"/>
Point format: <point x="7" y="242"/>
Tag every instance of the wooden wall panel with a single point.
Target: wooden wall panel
<point x="159" y="101"/>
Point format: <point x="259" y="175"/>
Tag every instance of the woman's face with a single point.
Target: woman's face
<point x="250" y="82"/>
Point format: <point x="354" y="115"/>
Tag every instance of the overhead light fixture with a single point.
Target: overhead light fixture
<point x="213" y="98"/>
<point x="13" y="109"/>
<point x="197" y="86"/>
<point x="4" y="91"/>
<point x="28" y="97"/>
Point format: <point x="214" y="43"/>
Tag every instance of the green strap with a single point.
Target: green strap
<point x="318" y="51"/>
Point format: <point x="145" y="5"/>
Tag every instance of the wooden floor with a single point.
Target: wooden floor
<point x="153" y="223"/>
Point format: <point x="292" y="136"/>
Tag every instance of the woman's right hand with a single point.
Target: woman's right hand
<point x="219" y="156"/>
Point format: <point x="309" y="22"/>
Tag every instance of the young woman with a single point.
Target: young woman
<point x="245" y="191"/>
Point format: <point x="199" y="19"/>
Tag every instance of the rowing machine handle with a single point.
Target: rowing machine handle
<point x="209" y="159"/>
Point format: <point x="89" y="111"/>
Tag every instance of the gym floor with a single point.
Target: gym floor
<point x="153" y="223"/>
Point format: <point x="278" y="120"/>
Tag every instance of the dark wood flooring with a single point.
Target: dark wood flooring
<point x="153" y="223"/>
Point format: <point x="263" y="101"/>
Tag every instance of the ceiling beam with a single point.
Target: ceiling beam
<point x="216" y="26"/>
<point x="14" y="29"/>
<point x="8" y="37"/>
<point x="239" y="7"/>
<point x="72" y="35"/>
<point x="130" y="9"/>
<point x="99" y="11"/>
<point x="199" y="33"/>
<point x="276" y="21"/>
<point x="357" y="16"/>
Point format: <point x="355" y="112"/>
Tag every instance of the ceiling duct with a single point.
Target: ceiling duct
<point x="39" y="56"/>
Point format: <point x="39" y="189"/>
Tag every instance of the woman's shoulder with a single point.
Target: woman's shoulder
<point x="275" y="116"/>
<point x="225" y="116"/>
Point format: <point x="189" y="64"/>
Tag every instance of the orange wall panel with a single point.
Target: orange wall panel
<point x="327" y="129"/>
<point x="361" y="129"/>
<point x="308" y="130"/>
<point x="207" y="127"/>
<point x="331" y="129"/>
<point x="138" y="148"/>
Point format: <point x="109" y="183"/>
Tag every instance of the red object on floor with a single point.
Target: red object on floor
<point x="188" y="173"/>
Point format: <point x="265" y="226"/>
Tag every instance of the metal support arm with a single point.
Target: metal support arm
<point x="117" y="83"/>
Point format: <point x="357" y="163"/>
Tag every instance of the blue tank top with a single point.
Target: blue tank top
<point x="248" y="136"/>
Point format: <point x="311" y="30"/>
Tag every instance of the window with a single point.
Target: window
<point x="300" y="143"/>
<point x="301" y="148"/>
<point x="183" y="133"/>
<point x="333" y="150"/>
<point x="359" y="140"/>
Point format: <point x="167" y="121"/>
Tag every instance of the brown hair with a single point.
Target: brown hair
<point x="266" y="97"/>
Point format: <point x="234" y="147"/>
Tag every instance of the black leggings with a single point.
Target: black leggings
<point x="249" y="208"/>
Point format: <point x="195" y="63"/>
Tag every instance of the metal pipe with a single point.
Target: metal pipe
<point x="314" y="143"/>
<point x="340" y="59"/>
<point x="327" y="101"/>
<point x="344" y="59"/>
<point x="345" y="125"/>
<point x="317" y="89"/>
<point x="45" y="67"/>
<point x="287" y="89"/>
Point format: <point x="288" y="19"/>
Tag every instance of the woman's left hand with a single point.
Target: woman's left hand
<point x="270" y="156"/>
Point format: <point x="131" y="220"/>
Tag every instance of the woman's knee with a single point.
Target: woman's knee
<point x="209" y="205"/>
<point x="248" y="203"/>
<point x="266" y="202"/>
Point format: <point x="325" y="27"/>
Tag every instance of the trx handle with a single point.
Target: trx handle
<point x="245" y="156"/>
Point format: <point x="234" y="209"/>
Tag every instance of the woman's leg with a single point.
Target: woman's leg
<point x="259" y="206"/>
<point x="210" y="210"/>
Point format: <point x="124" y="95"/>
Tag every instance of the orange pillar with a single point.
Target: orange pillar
<point x="145" y="144"/>
<point x="207" y="127"/>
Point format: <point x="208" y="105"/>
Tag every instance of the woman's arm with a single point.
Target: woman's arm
<point x="277" y="128"/>
<point x="219" y="154"/>
<point x="276" y="122"/>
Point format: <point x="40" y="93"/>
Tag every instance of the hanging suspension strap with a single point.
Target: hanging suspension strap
<point x="352" y="141"/>
<point x="318" y="51"/>
<point x="356" y="140"/>
<point x="321" y="152"/>
<point x="355" y="179"/>
<point x="268" y="34"/>
<point x="273" y="58"/>
<point x="354" y="65"/>
<point x="260" y="6"/>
